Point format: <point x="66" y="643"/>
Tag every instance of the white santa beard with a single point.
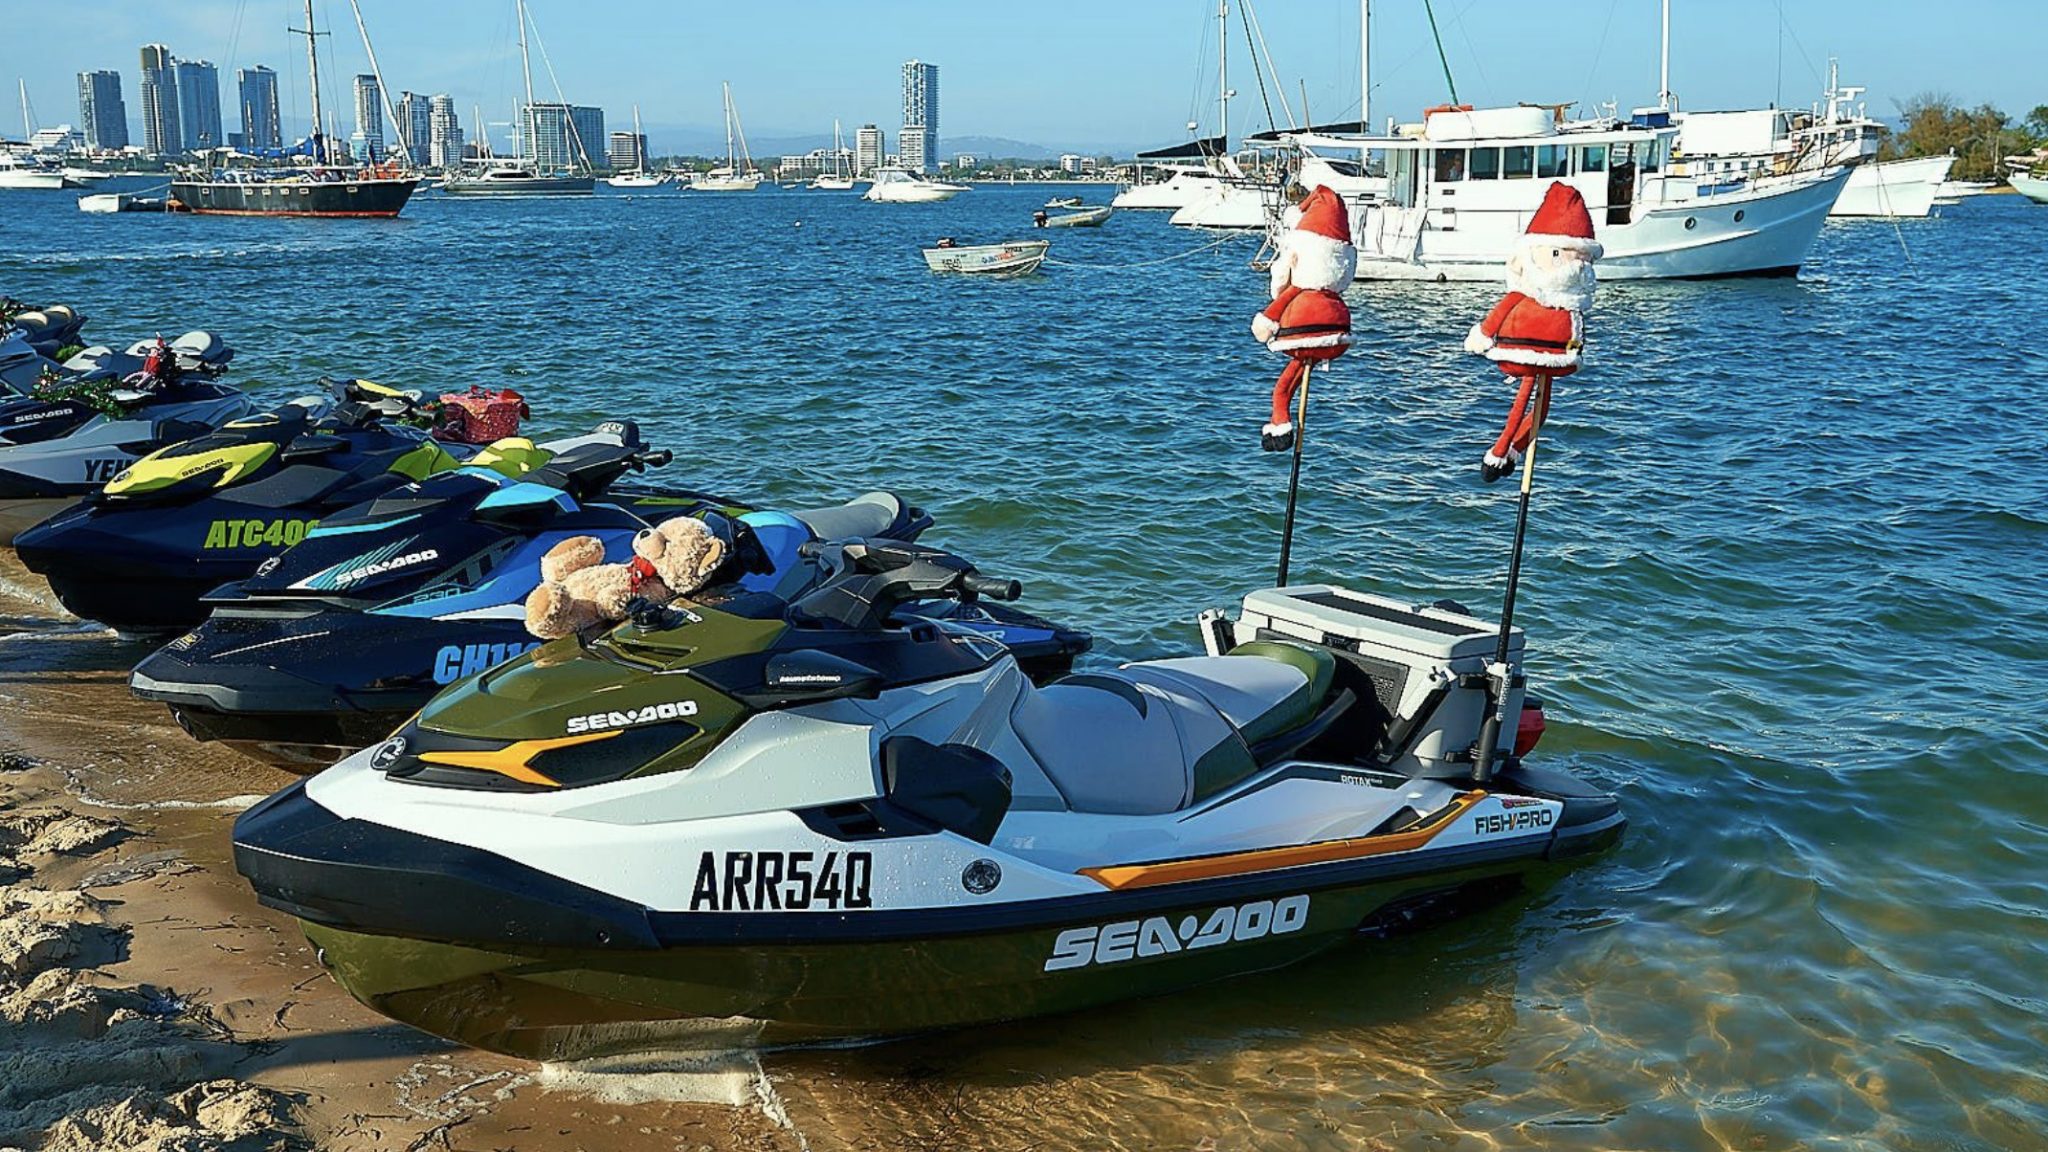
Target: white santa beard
<point x="1568" y="285"/>
<point x="1315" y="261"/>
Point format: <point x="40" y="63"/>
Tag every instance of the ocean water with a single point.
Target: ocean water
<point x="1782" y="594"/>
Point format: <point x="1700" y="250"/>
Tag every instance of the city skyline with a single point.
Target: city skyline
<point x="1124" y="85"/>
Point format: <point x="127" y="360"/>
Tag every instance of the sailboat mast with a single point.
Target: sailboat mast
<point x="26" y="131"/>
<point x="313" y="74"/>
<point x="1222" y="73"/>
<point x="526" y="119"/>
<point x="1664" y="69"/>
<point x="1364" y="67"/>
<point x="639" y="143"/>
<point x="731" y="161"/>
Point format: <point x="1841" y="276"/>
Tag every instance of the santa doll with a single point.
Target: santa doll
<point x="1537" y="329"/>
<point x="1307" y="320"/>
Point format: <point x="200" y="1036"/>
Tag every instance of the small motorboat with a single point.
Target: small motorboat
<point x="899" y="186"/>
<point x="111" y="202"/>
<point x="1010" y="258"/>
<point x="1064" y="202"/>
<point x="1086" y="218"/>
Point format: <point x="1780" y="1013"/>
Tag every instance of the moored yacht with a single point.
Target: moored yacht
<point x="900" y="186"/>
<point x="1461" y="186"/>
<point x="739" y="173"/>
<point x="18" y="172"/>
<point x="516" y="178"/>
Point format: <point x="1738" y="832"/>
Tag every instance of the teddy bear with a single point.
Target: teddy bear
<point x="578" y="589"/>
<point x="1307" y="321"/>
<point x="1537" y="330"/>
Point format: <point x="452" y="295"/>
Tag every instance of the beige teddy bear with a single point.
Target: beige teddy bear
<point x="578" y="589"/>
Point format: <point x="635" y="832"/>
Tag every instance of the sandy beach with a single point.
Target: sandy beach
<point x="152" y="1004"/>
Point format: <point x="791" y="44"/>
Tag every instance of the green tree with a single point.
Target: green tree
<point x="1938" y="126"/>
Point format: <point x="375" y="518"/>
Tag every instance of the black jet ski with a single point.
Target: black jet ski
<point x="138" y="554"/>
<point x="348" y="632"/>
<point x="106" y="409"/>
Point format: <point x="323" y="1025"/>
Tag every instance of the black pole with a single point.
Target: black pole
<point x="1294" y="475"/>
<point x="1488" y="749"/>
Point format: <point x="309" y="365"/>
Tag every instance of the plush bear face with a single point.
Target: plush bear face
<point x="684" y="553"/>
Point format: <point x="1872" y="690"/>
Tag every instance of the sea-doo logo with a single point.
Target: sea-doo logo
<point x="459" y="660"/>
<point x="1158" y="936"/>
<point x="379" y="567"/>
<point x="1522" y="820"/>
<point x="39" y="417"/>
<point x="256" y="533"/>
<point x="981" y="877"/>
<point x="388" y="754"/>
<point x="631" y="717"/>
<point x="782" y="881"/>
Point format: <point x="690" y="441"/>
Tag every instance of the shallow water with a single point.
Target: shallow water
<point x="1781" y="594"/>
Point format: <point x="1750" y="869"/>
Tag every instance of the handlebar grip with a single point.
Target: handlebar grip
<point x="653" y="459"/>
<point x="991" y="587"/>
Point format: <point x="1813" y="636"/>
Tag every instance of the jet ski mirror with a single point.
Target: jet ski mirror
<point x="806" y="675"/>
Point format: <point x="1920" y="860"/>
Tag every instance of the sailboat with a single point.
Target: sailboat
<point x="739" y="173"/>
<point x="838" y="181"/>
<point x="639" y="176"/>
<point x="322" y="188"/>
<point x="522" y="177"/>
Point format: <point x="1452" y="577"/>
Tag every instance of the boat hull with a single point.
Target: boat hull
<point x="1230" y="206"/>
<point x="1894" y="188"/>
<point x="491" y="953"/>
<point x="523" y="186"/>
<point x="2034" y="188"/>
<point x="339" y="198"/>
<point x="34" y="181"/>
<point x="1016" y="259"/>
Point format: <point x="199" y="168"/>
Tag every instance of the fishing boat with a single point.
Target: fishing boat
<point x="638" y="176"/>
<point x="1010" y="258"/>
<point x="323" y="187"/>
<point x="523" y="176"/>
<point x="901" y="186"/>
<point x="840" y="180"/>
<point x="1086" y="218"/>
<point x="739" y="173"/>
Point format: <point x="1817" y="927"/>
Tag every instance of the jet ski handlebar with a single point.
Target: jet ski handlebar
<point x="870" y="578"/>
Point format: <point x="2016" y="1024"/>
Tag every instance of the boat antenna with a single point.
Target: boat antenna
<point x="1488" y="749"/>
<point x="1441" y="58"/>
<point x="313" y="74"/>
<point x="400" y="130"/>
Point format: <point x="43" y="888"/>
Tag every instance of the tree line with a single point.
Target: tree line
<point x="1980" y="138"/>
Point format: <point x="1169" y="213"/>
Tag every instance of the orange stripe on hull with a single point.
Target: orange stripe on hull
<point x="1120" y="876"/>
<point x="512" y="760"/>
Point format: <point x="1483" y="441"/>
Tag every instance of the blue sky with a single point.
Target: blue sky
<point x="1109" y="75"/>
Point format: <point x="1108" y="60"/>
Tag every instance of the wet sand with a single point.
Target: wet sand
<point x="151" y="1003"/>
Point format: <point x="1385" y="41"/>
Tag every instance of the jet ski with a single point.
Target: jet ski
<point x="138" y="554"/>
<point x="764" y="821"/>
<point x="330" y="647"/>
<point x="43" y="331"/>
<point x="104" y="411"/>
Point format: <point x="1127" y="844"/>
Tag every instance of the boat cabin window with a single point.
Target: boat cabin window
<point x="1551" y="162"/>
<point x="1402" y="177"/>
<point x="1653" y="154"/>
<point x="1486" y="164"/>
<point x="1593" y="158"/>
<point x="1450" y="165"/>
<point x="1518" y="163"/>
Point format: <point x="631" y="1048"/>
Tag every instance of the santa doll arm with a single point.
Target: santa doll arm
<point x="1266" y="324"/>
<point x="1485" y="334"/>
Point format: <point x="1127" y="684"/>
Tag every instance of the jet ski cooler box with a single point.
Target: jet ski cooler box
<point x="1424" y="662"/>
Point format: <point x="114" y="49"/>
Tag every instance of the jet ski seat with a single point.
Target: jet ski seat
<point x="870" y="515"/>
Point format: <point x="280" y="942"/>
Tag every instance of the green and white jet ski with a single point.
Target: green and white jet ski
<point x="749" y="820"/>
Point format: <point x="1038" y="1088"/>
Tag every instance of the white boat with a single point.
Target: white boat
<point x="1012" y="258"/>
<point x="519" y="177"/>
<point x="1952" y="192"/>
<point x="900" y="186"/>
<point x="1462" y="185"/>
<point x="840" y="180"/>
<point x="111" y="202"/>
<point x="2033" y="187"/>
<point x="1908" y="188"/>
<point x="17" y="172"/>
<point x="1084" y="218"/>
<point x="739" y="173"/>
<point x="638" y="176"/>
<point x="1231" y="204"/>
<point x="1724" y="148"/>
<point x="83" y="176"/>
<point x="1064" y="202"/>
<point x="1184" y="186"/>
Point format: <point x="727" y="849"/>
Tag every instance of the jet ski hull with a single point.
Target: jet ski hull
<point x="18" y="516"/>
<point x="487" y="952"/>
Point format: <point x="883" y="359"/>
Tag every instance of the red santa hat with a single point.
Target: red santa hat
<point x="1563" y="222"/>
<point x="1322" y="213"/>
